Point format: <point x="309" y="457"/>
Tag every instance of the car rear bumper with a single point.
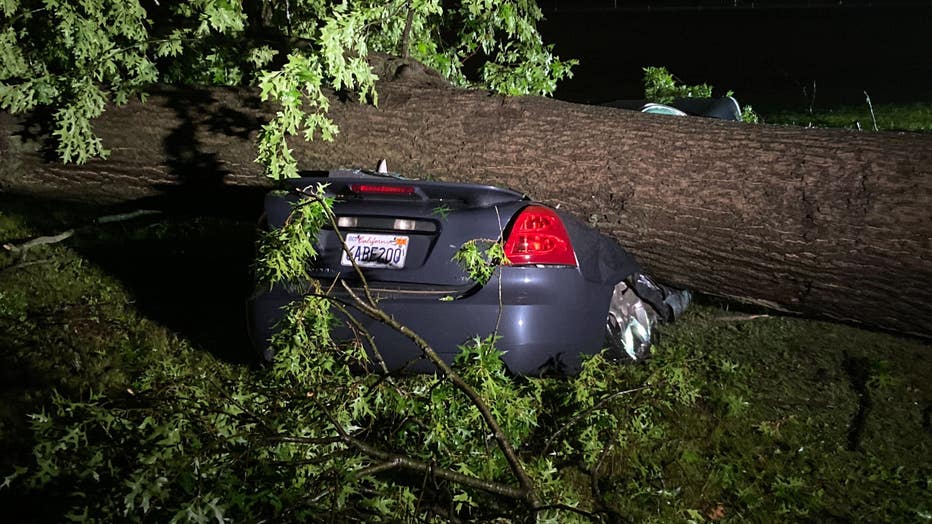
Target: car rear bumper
<point x="546" y="318"/>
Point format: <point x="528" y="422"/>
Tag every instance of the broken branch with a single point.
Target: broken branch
<point x="21" y="249"/>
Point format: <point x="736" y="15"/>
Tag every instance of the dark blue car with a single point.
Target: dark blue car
<point x="567" y="290"/>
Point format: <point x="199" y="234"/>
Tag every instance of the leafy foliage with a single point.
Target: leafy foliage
<point x="191" y="438"/>
<point x="748" y="115"/>
<point x="312" y="435"/>
<point x="662" y="87"/>
<point x="743" y="418"/>
<point x="71" y="57"/>
<point x="480" y="258"/>
<point x="74" y="58"/>
<point x="284" y="252"/>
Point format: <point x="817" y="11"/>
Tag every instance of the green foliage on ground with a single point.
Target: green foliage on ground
<point x="736" y="418"/>
<point x="72" y="58"/>
<point x="914" y="116"/>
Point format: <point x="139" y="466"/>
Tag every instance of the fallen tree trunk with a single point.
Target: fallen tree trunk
<point x="826" y="222"/>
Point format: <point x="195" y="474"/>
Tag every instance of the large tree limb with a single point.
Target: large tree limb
<point x="827" y="222"/>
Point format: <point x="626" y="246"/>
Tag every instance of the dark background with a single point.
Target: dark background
<point x="769" y="54"/>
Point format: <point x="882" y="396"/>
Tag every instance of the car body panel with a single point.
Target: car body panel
<point x="545" y="316"/>
<point x="458" y="213"/>
<point x="721" y="108"/>
<point x="540" y="330"/>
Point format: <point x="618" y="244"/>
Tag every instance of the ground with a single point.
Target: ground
<point x="795" y="419"/>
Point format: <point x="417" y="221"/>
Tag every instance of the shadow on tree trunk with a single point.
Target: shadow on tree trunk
<point x="188" y="268"/>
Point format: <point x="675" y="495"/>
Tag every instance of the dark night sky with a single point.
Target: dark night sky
<point x="766" y="54"/>
<point x="660" y="5"/>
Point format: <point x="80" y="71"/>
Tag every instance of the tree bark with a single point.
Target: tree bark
<point x="823" y="222"/>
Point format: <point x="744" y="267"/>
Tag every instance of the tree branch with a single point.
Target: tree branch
<point x="349" y="255"/>
<point x="360" y="330"/>
<point x="21" y="249"/>
<point x="527" y="486"/>
<point x="122" y="217"/>
<point x="305" y="440"/>
<point x="564" y="507"/>
<point x="392" y="460"/>
<point x="370" y="308"/>
<point x="595" y="475"/>
<point x="585" y="412"/>
<point x="406" y="36"/>
<point x="25" y="264"/>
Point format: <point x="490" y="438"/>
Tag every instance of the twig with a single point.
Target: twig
<point x="595" y="476"/>
<point x="596" y="471"/>
<point x="585" y="412"/>
<point x="122" y="217"/>
<point x="25" y="264"/>
<point x="738" y="318"/>
<point x="305" y="440"/>
<point x="871" y="107"/>
<point x="527" y="486"/>
<point x="420" y="496"/>
<point x="501" y="304"/>
<point x="371" y="309"/>
<point x="355" y="325"/>
<point x="336" y="229"/>
<point x="288" y="16"/>
<point x="812" y="98"/>
<point x="320" y="459"/>
<point x="360" y="330"/>
<point x="445" y="513"/>
<point x="400" y="461"/>
<point x="376" y="469"/>
<point x="21" y="249"/>
<point x="564" y="507"/>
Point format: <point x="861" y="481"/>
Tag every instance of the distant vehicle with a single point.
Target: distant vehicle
<point x="724" y="108"/>
<point x="567" y="290"/>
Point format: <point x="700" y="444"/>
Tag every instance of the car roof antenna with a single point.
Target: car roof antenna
<point x="382" y="168"/>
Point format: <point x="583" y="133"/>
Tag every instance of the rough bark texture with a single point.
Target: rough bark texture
<point x="824" y="222"/>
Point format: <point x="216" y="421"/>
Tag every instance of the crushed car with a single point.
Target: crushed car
<point x="566" y="290"/>
<point x="721" y="108"/>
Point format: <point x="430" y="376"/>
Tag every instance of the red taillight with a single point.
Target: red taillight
<point x="381" y="189"/>
<point x="538" y="237"/>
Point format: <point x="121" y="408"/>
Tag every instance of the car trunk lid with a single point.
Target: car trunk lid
<point x="402" y="233"/>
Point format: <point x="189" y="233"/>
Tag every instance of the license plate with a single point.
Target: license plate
<point x="381" y="251"/>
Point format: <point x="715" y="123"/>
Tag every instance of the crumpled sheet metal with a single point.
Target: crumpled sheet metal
<point x="637" y="305"/>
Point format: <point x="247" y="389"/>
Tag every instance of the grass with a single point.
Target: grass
<point x="86" y="315"/>
<point x="913" y="117"/>
<point x="797" y="420"/>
